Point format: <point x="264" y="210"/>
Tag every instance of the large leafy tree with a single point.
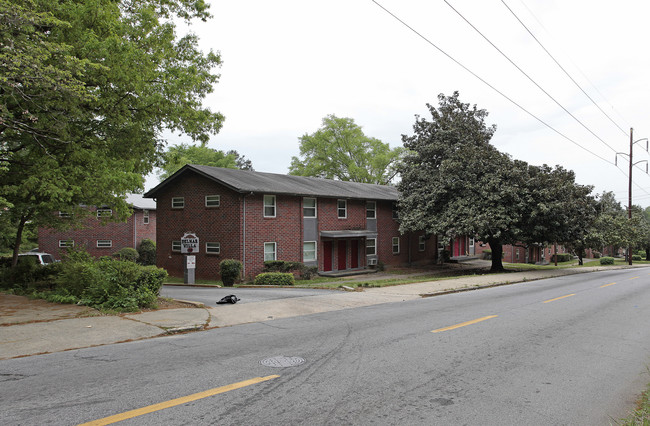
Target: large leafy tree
<point x="179" y="155"/>
<point x="340" y="150"/>
<point x="455" y="183"/>
<point x="86" y="89"/>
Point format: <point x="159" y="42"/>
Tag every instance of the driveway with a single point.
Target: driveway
<point x="210" y="295"/>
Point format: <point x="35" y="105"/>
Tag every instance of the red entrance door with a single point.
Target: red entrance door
<point x="327" y="255"/>
<point x="354" y="254"/>
<point x="343" y="255"/>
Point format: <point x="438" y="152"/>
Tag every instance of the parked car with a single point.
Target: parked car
<point x="38" y="257"/>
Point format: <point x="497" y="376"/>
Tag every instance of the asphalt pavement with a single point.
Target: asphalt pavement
<point x="30" y="327"/>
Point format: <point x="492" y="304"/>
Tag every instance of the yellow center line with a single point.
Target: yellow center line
<point x="178" y="401"/>
<point x="607" y="285"/>
<point x="634" y="278"/>
<point x="452" y="327"/>
<point x="558" y="298"/>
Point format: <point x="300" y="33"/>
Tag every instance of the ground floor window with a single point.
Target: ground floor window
<point x="308" y="251"/>
<point x="176" y="246"/>
<point x="270" y="251"/>
<point x="395" y="245"/>
<point x="104" y="243"/>
<point x="371" y="246"/>
<point x="213" y="248"/>
<point x="66" y="243"/>
<point x="422" y="245"/>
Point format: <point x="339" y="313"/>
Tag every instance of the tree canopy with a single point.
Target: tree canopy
<point x="86" y="89"/>
<point x="454" y="182"/>
<point x="179" y="155"/>
<point x="340" y="150"/>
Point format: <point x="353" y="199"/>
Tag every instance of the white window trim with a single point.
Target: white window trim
<point x="345" y="209"/>
<point x="176" y="246"/>
<point x="66" y="243"/>
<point x="374" y="247"/>
<point x="212" y="250"/>
<point x="393" y="245"/>
<point x="216" y="200"/>
<point x="107" y="243"/>
<point x="145" y="217"/>
<point x="315" y="207"/>
<point x="64" y="214"/>
<point x="275" y="250"/>
<point x="373" y="209"/>
<point x="315" y="251"/>
<point x="274" y="205"/>
<point x="178" y="202"/>
<point x="104" y="213"/>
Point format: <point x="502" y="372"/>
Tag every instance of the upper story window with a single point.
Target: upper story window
<point x="395" y="211"/>
<point x="342" y="207"/>
<point x="66" y="243"/>
<point x="371" y="210"/>
<point x="145" y="217"/>
<point x="104" y="212"/>
<point x="269" y="206"/>
<point x="309" y="207"/>
<point x="212" y="200"/>
<point x="178" y="202"/>
<point x="395" y="245"/>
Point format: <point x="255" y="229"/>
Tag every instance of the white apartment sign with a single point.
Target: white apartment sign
<point x="189" y="243"/>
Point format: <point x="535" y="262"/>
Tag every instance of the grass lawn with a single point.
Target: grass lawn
<point x="641" y="416"/>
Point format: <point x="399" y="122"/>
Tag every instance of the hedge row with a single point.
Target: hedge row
<point x="274" y="278"/>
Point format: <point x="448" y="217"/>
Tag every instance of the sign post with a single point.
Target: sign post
<point x="189" y="247"/>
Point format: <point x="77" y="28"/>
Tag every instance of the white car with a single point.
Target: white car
<point x="40" y="258"/>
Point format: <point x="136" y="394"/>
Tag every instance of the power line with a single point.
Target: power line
<point x="488" y="84"/>
<point x="527" y="76"/>
<point x="561" y="67"/>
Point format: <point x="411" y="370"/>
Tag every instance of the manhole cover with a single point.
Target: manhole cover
<point x="282" y="361"/>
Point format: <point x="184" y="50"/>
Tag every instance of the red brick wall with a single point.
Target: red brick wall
<point x="120" y="233"/>
<point x="211" y="224"/>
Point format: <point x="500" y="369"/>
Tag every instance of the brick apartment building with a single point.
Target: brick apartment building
<point x="103" y="238"/>
<point x="253" y="217"/>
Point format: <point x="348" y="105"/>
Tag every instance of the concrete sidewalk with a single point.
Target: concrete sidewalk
<point x="30" y="327"/>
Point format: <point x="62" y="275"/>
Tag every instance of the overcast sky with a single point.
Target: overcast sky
<point x="289" y="63"/>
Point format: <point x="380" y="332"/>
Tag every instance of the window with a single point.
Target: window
<point x="269" y="206"/>
<point x="371" y="246"/>
<point x="213" y="248"/>
<point x="269" y="251"/>
<point x="395" y="245"/>
<point x="371" y="210"/>
<point x="517" y="254"/>
<point x="104" y="212"/>
<point x="104" y="243"/>
<point x="308" y="251"/>
<point x="64" y="214"/>
<point x="145" y="217"/>
<point x="176" y="246"/>
<point x="66" y="243"/>
<point x="178" y="202"/>
<point x="421" y="243"/>
<point x="471" y="242"/>
<point x="395" y="211"/>
<point x="309" y="207"/>
<point x="342" y="209"/>
<point x="212" y="200"/>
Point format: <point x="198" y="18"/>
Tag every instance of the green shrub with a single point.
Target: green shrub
<point x="308" y="272"/>
<point x="606" y="260"/>
<point x="147" y="252"/>
<point x="596" y="255"/>
<point x="636" y="257"/>
<point x="562" y="257"/>
<point x="282" y="266"/>
<point x="127" y="253"/>
<point x="151" y="278"/>
<point x="230" y="271"/>
<point x="274" y="278"/>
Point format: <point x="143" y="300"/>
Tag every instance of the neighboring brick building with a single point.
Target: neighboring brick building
<point x="103" y="238"/>
<point x="253" y="217"/>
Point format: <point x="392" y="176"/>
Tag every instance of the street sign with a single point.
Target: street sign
<point x="191" y="262"/>
<point x="189" y="243"/>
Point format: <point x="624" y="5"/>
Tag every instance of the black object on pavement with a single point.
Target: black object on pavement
<point x="229" y="299"/>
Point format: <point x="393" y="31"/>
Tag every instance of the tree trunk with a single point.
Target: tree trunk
<point x="497" y="254"/>
<point x="19" y="238"/>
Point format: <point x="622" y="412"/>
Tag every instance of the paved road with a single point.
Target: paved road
<point x="210" y="295"/>
<point x="570" y="350"/>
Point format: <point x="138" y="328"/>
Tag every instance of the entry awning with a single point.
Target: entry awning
<point x="351" y="233"/>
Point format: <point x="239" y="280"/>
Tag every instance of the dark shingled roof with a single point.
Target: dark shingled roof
<point x="245" y="181"/>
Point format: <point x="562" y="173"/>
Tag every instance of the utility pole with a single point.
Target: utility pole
<point x="629" y="188"/>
